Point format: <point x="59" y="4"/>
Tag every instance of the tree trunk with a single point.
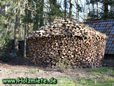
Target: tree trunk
<point x="77" y="9"/>
<point x="29" y="16"/>
<point x="36" y="23"/>
<point x="88" y="7"/>
<point x="111" y="9"/>
<point x="27" y="13"/>
<point x="105" y="10"/>
<point x="25" y="40"/>
<point x="41" y="13"/>
<point x="16" y="31"/>
<point x="70" y="10"/>
<point x="98" y="9"/>
<point x="84" y="18"/>
<point x="65" y="4"/>
<point x="93" y="7"/>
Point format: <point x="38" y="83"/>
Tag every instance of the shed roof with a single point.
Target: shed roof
<point x="106" y="27"/>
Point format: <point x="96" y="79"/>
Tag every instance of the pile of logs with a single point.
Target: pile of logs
<point x="70" y="41"/>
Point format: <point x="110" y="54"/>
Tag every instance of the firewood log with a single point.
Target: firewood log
<point x="70" y="41"/>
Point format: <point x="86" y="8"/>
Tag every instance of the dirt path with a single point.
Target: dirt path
<point x="24" y="68"/>
<point x="20" y="67"/>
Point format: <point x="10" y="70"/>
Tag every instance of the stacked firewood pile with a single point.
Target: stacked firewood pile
<point x="70" y="41"/>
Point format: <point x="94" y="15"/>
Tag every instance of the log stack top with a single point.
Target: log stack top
<point x="61" y="27"/>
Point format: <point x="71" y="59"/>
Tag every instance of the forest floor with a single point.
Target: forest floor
<point x="20" y="67"/>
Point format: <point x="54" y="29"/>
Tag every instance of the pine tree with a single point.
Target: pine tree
<point x="54" y="10"/>
<point x="105" y="3"/>
<point x="78" y="9"/>
<point x="93" y="15"/>
<point x="38" y="20"/>
<point x="105" y="13"/>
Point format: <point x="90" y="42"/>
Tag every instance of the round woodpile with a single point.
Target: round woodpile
<point x="70" y="41"/>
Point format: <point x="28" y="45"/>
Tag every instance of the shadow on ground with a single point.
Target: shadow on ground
<point x="19" y="61"/>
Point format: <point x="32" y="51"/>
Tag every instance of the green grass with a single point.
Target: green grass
<point x="101" y="69"/>
<point x="96" y="82"/>
<point x="95" y="77"/>
<point x="98" y="77"/>
<point x="33" y="71"/>
<point x="62" y="82"/>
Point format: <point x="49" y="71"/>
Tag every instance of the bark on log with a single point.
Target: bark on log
<point x="75" y="43"/>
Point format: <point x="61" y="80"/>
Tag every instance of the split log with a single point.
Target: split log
<point x="70" y="41"/>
